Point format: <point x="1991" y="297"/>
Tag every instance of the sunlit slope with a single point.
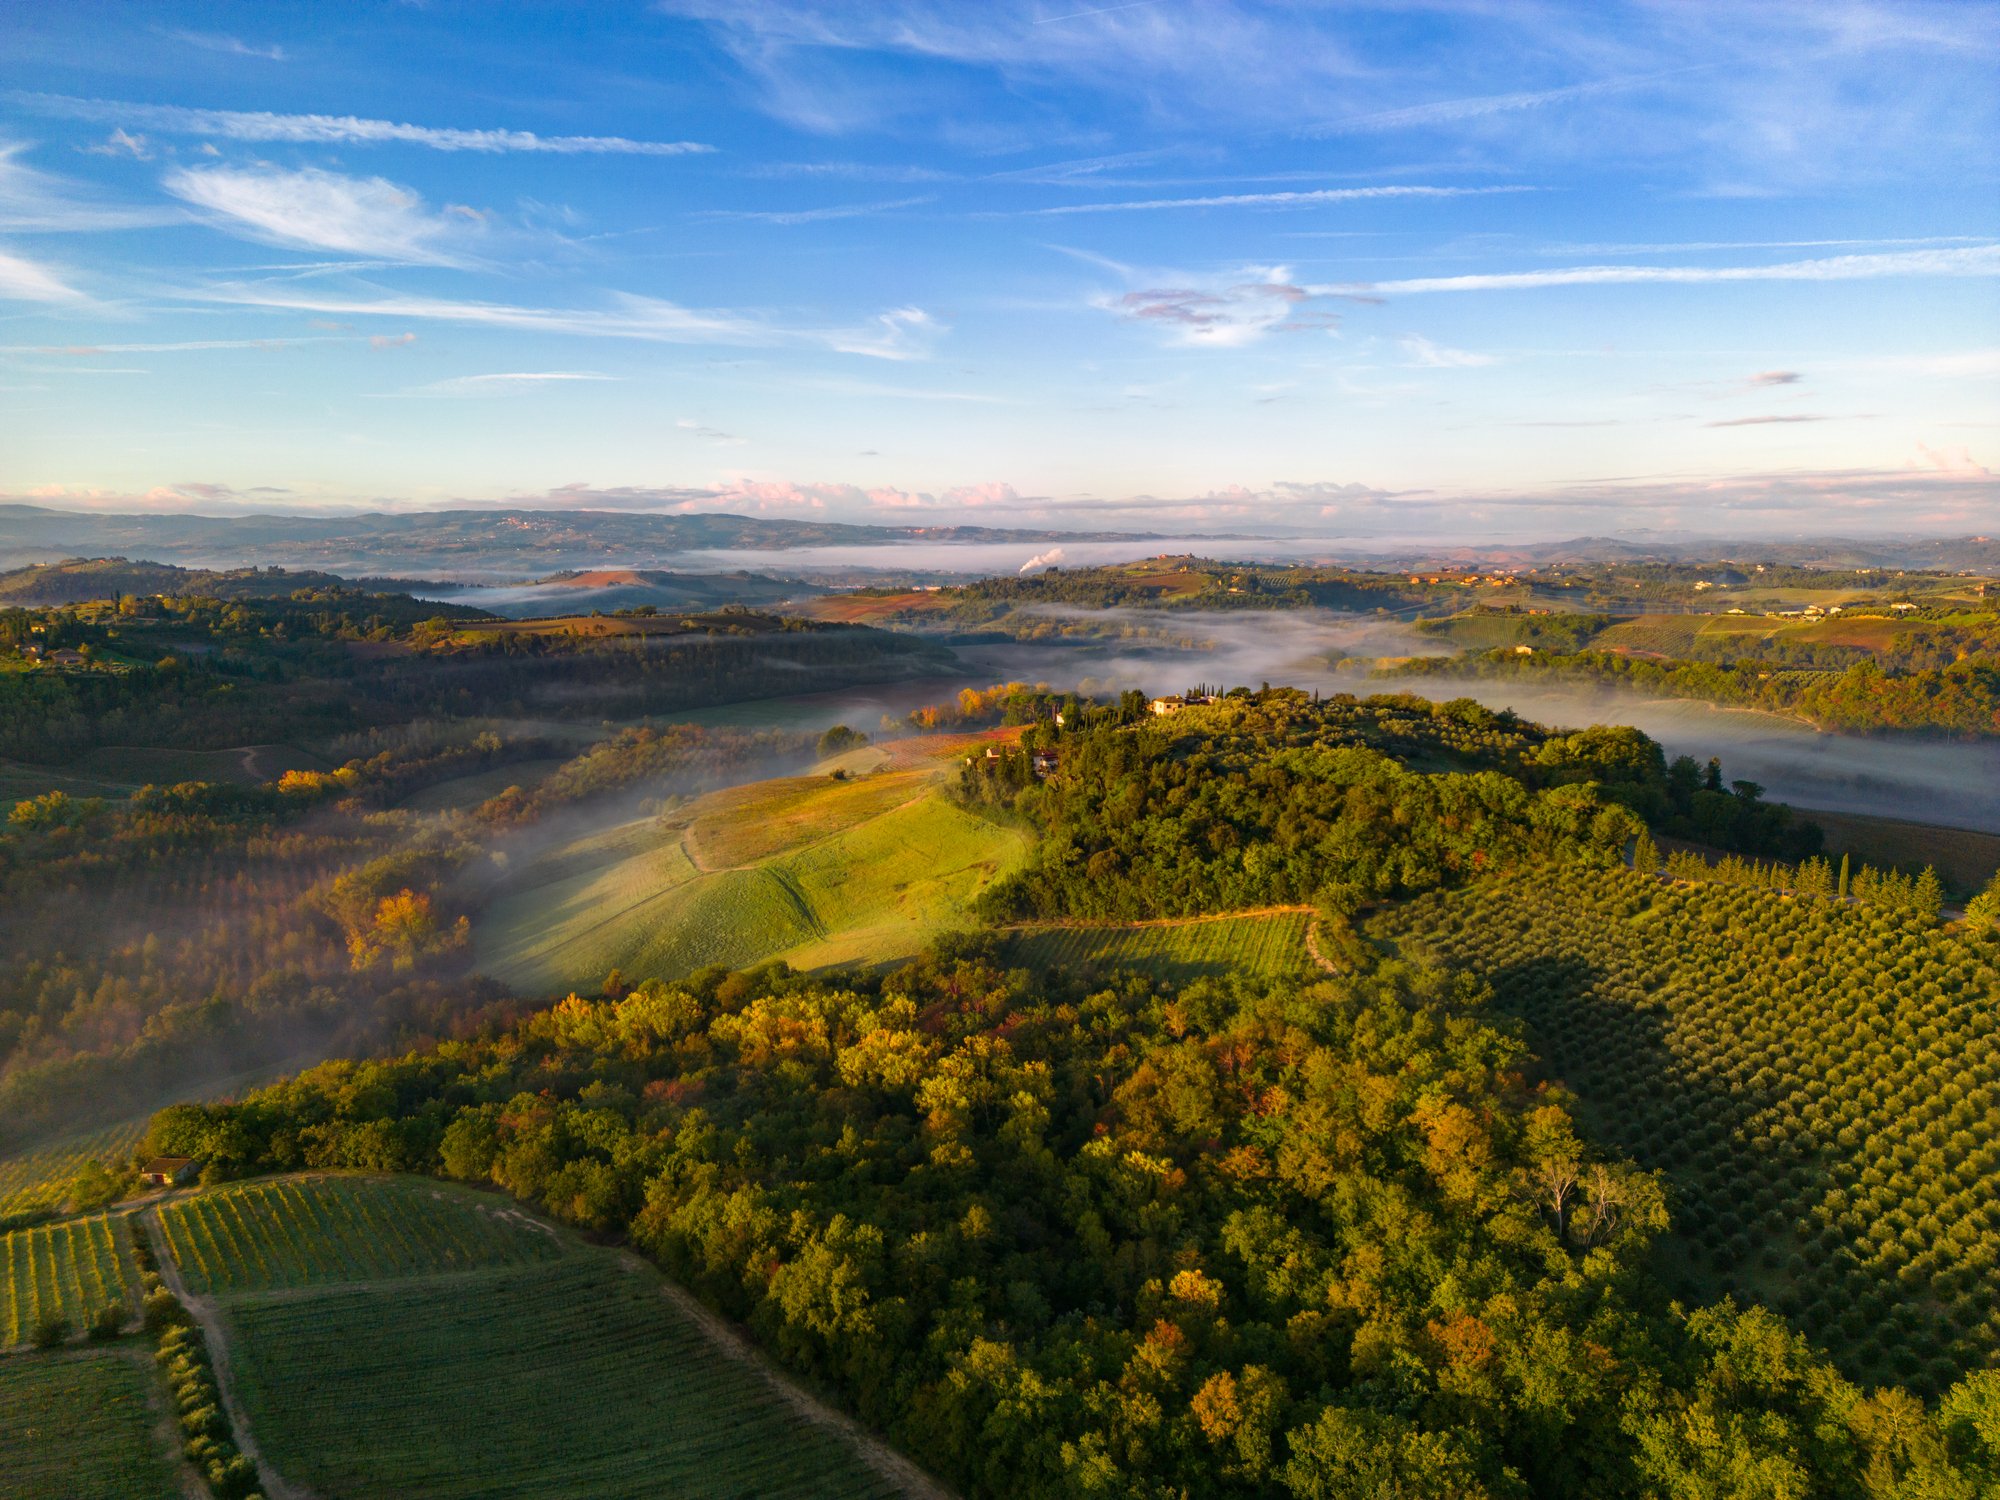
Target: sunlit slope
<point x="807" y="868"/>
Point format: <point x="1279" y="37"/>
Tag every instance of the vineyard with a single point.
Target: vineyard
<point x="1817" y="1081"/>
<point x="486" y="1353"/>
<point x="312" y="1232"/>
<point x="1178" y="951"/>
<point x="40" y="1178"/>
<point x="66" y="1270"/>
<point x="82" y="1424"/>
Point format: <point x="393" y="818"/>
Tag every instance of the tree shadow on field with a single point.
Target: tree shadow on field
<point x="1638" y="1099"/>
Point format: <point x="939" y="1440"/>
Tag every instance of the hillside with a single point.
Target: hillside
<point x="811" y="869"/>
<point x="80" y="579"/>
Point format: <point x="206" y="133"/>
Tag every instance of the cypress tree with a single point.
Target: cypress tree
<point x="1843" y="877"/>
<point x="1927" y="897"/>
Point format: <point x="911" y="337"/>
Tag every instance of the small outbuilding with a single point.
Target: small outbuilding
<point x="169" y="1171"/>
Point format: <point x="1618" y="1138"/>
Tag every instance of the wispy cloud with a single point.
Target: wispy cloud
<point x="1436" y="356"/>
<point x="23" y="280"/>
<point x="323" y="211"/>
<point x="1766" y="378"/>
<point x="210" y="41"/>
<point x="900" y="334"/>
<point x="1977" y="260"/>
<point x="505" y="383"/>
<point x="713" y="435"/>
<point x="35" y="202"/>
<point x="334" y="130"/>
<point x="182" y="346"/>
<point x="1770" y="421"/>
<point x="816" y="215"/>
<point x="1453" y="111"/>
<point x="1276" y="200"/>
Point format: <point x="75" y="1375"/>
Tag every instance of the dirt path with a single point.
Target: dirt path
<point x="1312" y="947"/>
<point x="728" y="1341"/>
<point x="204" y="1313"/>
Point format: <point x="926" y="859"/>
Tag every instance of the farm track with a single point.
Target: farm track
<point x="205" y="1313"/>
<point x="729" y="1341"/>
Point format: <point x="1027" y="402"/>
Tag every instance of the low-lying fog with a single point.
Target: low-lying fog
<point x="1928" y="781"/>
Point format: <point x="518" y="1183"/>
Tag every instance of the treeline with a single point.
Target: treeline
<point x="1237" y="1240"/>
<point x="1961" y="699"/>
<point x="1920" y="895"/>
<point x="1273" y="798"/>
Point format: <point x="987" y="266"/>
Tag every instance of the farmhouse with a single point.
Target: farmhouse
<point x="168" y="1171"/>
<point x="1174" y="703"/>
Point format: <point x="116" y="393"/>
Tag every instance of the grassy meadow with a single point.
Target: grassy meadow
<point x="83" y="1423"/>
<point x="395" y="1337"/>
<point x="810" y="869"/>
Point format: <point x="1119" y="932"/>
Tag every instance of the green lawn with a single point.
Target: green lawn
<point x="81" y="1424"/>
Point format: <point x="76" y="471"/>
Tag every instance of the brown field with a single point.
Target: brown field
<point x="1964" y="859"/>
<point x="871" y="608"/>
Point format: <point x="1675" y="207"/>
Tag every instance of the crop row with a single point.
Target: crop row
<point x="1260" y="945"/>
<point x="307" y="1232"/>
<point x="578" y="1378"/>
<point x="69" y="1270"/>
<point x="1821" y="1084"/>
<point x="40" y="1177"/>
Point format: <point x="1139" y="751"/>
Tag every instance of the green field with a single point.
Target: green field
<point x="81" y="1424"/>
<point x="309" y="1232"/>
<point x="1964" y="859"/>
<point x="812" y="870"/>
<point x="427" y="1340"/>
<point x="70" y="1269"/>
<point x="1177" y="951"/>
<point x="40" y="1177"/>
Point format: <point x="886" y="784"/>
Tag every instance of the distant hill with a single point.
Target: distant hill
<point x="632" y="588"/>
<point x="76" y="579"/>
<point x="492" y="543"/>
<point x="1967" y="554"/>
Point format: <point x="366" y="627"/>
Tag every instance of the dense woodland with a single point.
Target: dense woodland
<point x="1308" y="1239"/>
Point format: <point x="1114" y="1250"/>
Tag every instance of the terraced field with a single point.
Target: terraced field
<point x="40" y="1178"/>
<point x="83" y="1423"/>
<point x="68" y="1269"/>
<point x="397" y="1337"/>
<point x="1177" y="951"/>
<point x="309" y="1232"/>
<point x="812" y="870"/>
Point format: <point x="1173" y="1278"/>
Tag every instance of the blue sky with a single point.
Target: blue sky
<point x="1453" y="269"/>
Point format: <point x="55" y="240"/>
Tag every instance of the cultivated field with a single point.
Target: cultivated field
<point x="1178" y="951"/>
<point x="81" y="1424"/>
<point x="812" y="870"/>
<point x="40" y="1177"/>
<point x="320" y="1231"/>
<point x="68" y="1269"/>
<point x="1821" y="1110"/>
<point x="397" y="1337"/>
